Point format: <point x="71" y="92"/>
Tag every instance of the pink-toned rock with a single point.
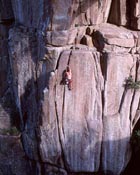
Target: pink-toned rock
<point x="112" y="31"/>
<point x="128" y="13"/>
<point x="135" y="14"/>
<point x="77" y="126"/>
<point x="61" y="38"/>
<point x="120" y="42"/>
<point x="61" y="14"/>
<point x="50" y="146"/>
<point x="88" y="128"/>
<point x="108" y="34"/>
<point x="135" y="106"/>
<point x="116" y="116"/>
<point x="84" y="12"/>
<point x="119" y="18"/>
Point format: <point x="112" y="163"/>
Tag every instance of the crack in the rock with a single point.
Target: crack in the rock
<point x="58" y="60"/>
<point x="100" y="3"/>
<point x="133" y="97"/>
<point x="60" y="141"/>
<point x="86" y="17"/>
<point x="134" y="92"/>
<point x="135" y="120"/>
<point x="64" y="94"/>
<point x="63" y="107"/>
<point x="87" y="125"/>
<point x="124" y="93"/>
<point x="138" y="108"/>
<point x="137" y="115"/>
<point x="58" y="123"/>
<point x="95" y="56"/>
<point x="69" y="58"/>
<point x="122" y="99"/>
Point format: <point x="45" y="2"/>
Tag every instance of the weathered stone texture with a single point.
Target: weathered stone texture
<point x="30" y="13"/>
<point x="23" y="57"/>
<point x="121" y="7"/>
<point x="5" y="79"/>
<point x="76" y="124"/>
<point x="78" y="13"/>
<point x="88" y="128"/>
<point x="125" y="13"/>
<point x="116" y="119"/>
<point x="61" y="14"/>
<point x="12" y="158"/>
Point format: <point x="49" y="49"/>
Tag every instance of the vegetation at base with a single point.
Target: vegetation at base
<point x="135" y="140"/>
<point x="131" y="84"/>
<point x="11" y="131"/>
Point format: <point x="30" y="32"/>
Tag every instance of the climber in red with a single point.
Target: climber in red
<point x="67" y="78"/>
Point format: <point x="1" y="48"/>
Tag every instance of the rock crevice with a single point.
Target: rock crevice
<point x="86" y="129"/>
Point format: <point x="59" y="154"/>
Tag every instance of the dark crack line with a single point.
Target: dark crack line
<point x="133" y="97"/>
<point x="125" y="90"/>
<point x="138" y="108"/>
<point x="134" y="122"/>
<point x="64" y="95"/>
<point x="58" y="60"/>
<point x="69" y="58"/>
<point x="57" y="116"/>
<point x="100" y="3"/>
<point x="122" y="99"/>
<point x="136" y="118"/>
<point x="95" y="56"/>
<point x="101" y="151"/>
<point x="63" y="107"/>
<point x="87" y="125"/>
<point x="59" y="135"/>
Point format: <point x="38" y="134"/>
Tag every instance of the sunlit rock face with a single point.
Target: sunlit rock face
<point x="60" y="14"/>
<point x="68" y="132"/>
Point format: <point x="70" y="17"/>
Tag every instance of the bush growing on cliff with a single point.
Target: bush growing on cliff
<point x="135" y="140"/>
<point x="131" y="84"/>
<point x="12" y="131"/>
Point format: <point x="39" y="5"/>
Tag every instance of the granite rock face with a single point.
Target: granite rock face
<point x="12" y="158"/>
<point x="83" y="130"/>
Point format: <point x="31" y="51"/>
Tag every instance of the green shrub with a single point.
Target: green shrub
<point x="11" y="131"/>
<point x="131" y="84"/>
<point x="135" y="140"/>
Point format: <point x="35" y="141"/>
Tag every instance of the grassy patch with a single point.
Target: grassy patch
<point x="11" y="131"/>
<point x="131" y="84"/>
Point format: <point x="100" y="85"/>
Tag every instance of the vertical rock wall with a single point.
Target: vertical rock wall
<point x="5" y="109"/>
<point x="86" y="129"/>
<point x="13" y="159"/>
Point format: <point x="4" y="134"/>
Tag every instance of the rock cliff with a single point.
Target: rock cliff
<point x="87" y="129"/>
